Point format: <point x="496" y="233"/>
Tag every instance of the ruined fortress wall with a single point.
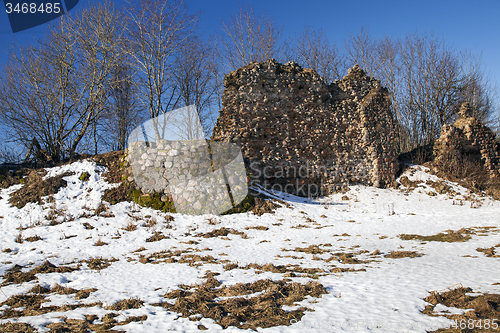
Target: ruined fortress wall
<point x="303" y="136"/>
<point x="468" y="137"/>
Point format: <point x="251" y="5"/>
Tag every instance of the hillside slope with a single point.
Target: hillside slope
<point x="361" y="260"/>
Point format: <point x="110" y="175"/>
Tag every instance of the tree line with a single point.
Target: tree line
<point x="98" y="74"/>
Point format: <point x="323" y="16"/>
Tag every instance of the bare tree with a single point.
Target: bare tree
<point x="52" y="93"/>
<point x="195" y="75"/>
<point x="313" y="50"/>
<point x="157" y="29"/>
<point x="38" y="100"/>
<point x="361" y="49"/>
<point x="248" y="37"/>
<point x="99" y="36"/>
<point x="123" y="114"/>
<point x="476" y="88"/>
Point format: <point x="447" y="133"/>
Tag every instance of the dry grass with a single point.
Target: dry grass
<point x="222" y="232"/>
<point x="33" y="238"/>
<point x="17" y="328"/>
<point x="98" y="263"/>
<point x="258" y="227"/>
<point x="264" y="310"/>
<point x="125" y="304"/>
<point x="403" y="254"/>
<point x="489" y="252"/>
<point x="35" y="188"/>
<point x="157" y="236"/>
<point x="104" y="210"/>
<point x="100" y="243"/>
<point x="450" y="236"/>
<point x="484" y="307"/>
<point x="130" y="227"/>
<point x="14" y="275"/>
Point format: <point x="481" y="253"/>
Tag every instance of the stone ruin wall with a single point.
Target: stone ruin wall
<point x="298" y="132"/>
<point x="468" y="137"/>
<point x="188" y="173"/>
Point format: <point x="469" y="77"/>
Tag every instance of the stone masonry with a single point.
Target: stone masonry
<point x="468" y="137"/>
<point x="193" y="174"/>
<point x="302" y="136"/>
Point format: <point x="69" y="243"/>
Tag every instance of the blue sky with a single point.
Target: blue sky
<point x="471" y="25"/>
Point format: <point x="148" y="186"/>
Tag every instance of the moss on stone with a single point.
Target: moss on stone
<point x="84" y="176"/>
<point x="246" y="205"/>
<point x="152" y="200"/>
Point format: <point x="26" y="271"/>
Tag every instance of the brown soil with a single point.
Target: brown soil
<point x="486" y="306"/>
<point x="115" y="174"/>
<point x="489" y="252"/>
<point x="276" y="268"/>
<point x="158" y="236"/>
<point x="440" y="187"/>
<point x="461" y="235"/>
<point x="171" y="256"/>
<point x="35" y="188"/>
<point x="264" y="310"/>
<point x="98" y="263"/>
<point x="16" y="276"/>
<point x="222" y="232"/>
<point x="85" y="325"/>
<point x="196" y="260"/>
<point x="100" y="243"/>
<point x="403" y="254"/>
<point x="11" y="175"/>
<point x="258" y="227"/>
<point x="264" y="206"/>
<point x="406" y="182"/>
<point x="312" y="249"/>
<point x="347" y="258"/>
<point x="30" y="304"/>
<point x="17" y="328"/>
<point x="125" y="304"/>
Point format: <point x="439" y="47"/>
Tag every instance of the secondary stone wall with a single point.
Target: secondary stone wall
<point x="468" y="137"/>
<point x="194" y="174"/>
<point x="302" y="136"/>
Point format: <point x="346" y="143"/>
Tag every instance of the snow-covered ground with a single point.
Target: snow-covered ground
<point x="387" y="296"/>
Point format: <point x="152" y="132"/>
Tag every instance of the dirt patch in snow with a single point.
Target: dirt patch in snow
<point x="287" y="269"/>
<point x="125" y="304"/>
<point x="450" y="236"/>
<point x="31" y="303"/>
<point x="461" y="235"/>
<point x="15" y="275"/>
<point x="403" y="254"/>
<point x="222" y="232"/>
<point x="490" y="252"/>
<point x="243" y="305"/>
<point x="484" y="308"/>
<point x="17" y="328"/>
<point x="99" y="263"/>
<point x="35" y="187"/>
<point x="86" y="325"/>
<point x="264" y="206"/>
<point x="157" y="236"/>
<point x="409" y="184"/>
